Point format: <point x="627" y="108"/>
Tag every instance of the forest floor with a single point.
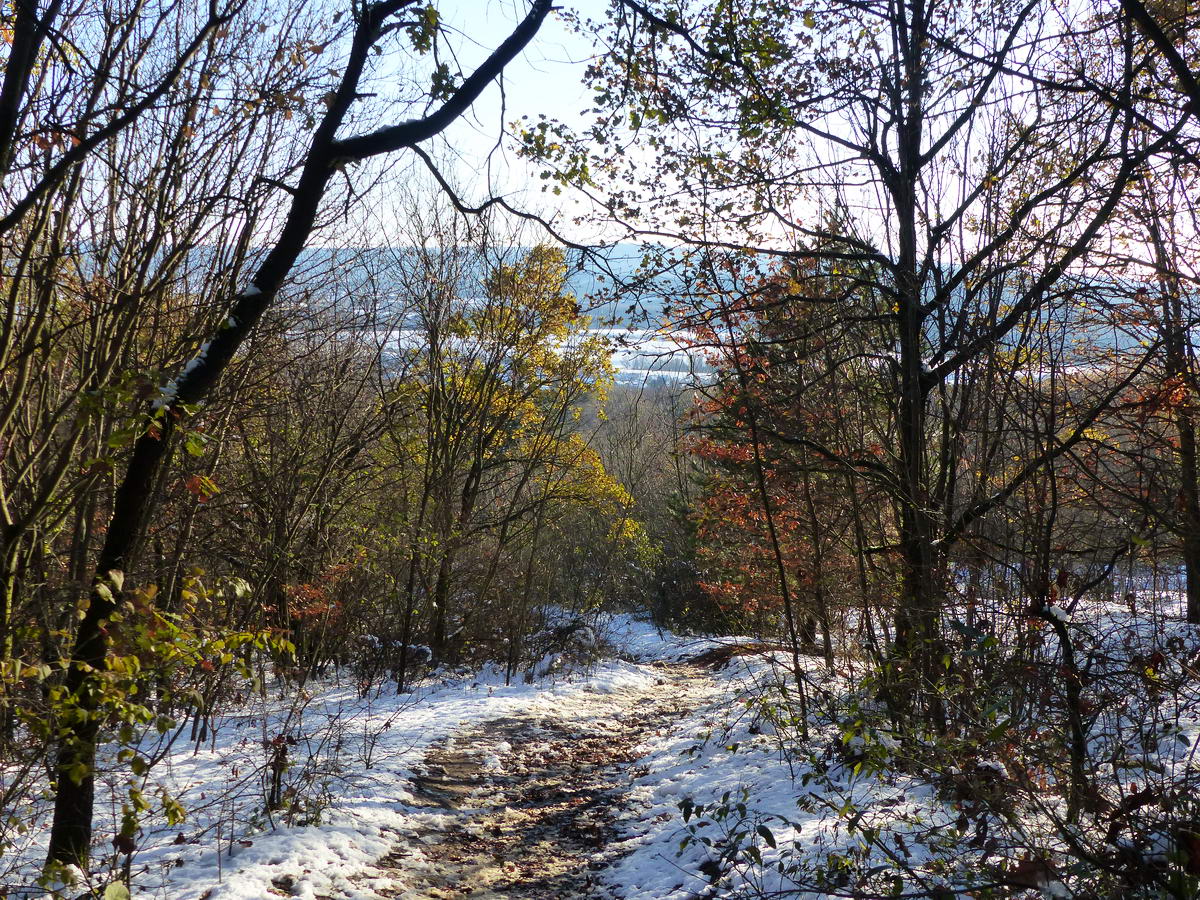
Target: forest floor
<point x="666" y="768"/>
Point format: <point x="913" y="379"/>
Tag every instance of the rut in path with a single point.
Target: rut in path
<point x="532" y="801"/>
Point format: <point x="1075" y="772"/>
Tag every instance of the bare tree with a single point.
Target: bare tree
<point x="326" y="155"/>
<point x="918" y="152"/>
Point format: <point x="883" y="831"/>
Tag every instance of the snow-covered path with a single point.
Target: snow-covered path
<point x="420" y="793"/>
<point x="528" y="806"/>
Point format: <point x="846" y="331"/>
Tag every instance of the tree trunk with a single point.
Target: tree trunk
<point x="918" y="618"/>
<point x="1179" y="372"/>
<point x="438" y="639"/>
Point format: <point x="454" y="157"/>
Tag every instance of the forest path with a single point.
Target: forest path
<point x="526" y="806"/>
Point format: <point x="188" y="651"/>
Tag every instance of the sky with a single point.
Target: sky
<point x="546" y="79"/>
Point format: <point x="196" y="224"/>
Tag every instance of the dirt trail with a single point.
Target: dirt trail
<point x="529" y="804"/>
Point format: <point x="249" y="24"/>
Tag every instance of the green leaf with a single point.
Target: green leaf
<point x="116" y="891"/>
<point x="194" y="444"/>
<point x="765" y="833"/>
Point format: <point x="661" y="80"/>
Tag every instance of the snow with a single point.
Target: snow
<point x="197" y="360"/>
<point x="359" y="753"/>
<point x="764" y="810"/>
<point x="170" y="390"/>
<point x="639" y="640"/>
<point x="840" y="796"/>
<point x="1057" y="612"/>
<point x="166" y="394"/>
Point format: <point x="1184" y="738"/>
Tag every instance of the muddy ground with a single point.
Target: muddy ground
<point x="528" y="807"/>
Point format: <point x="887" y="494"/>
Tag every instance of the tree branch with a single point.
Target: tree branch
<point x="413" y="132"/>
<point x="1149" y="25"/>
